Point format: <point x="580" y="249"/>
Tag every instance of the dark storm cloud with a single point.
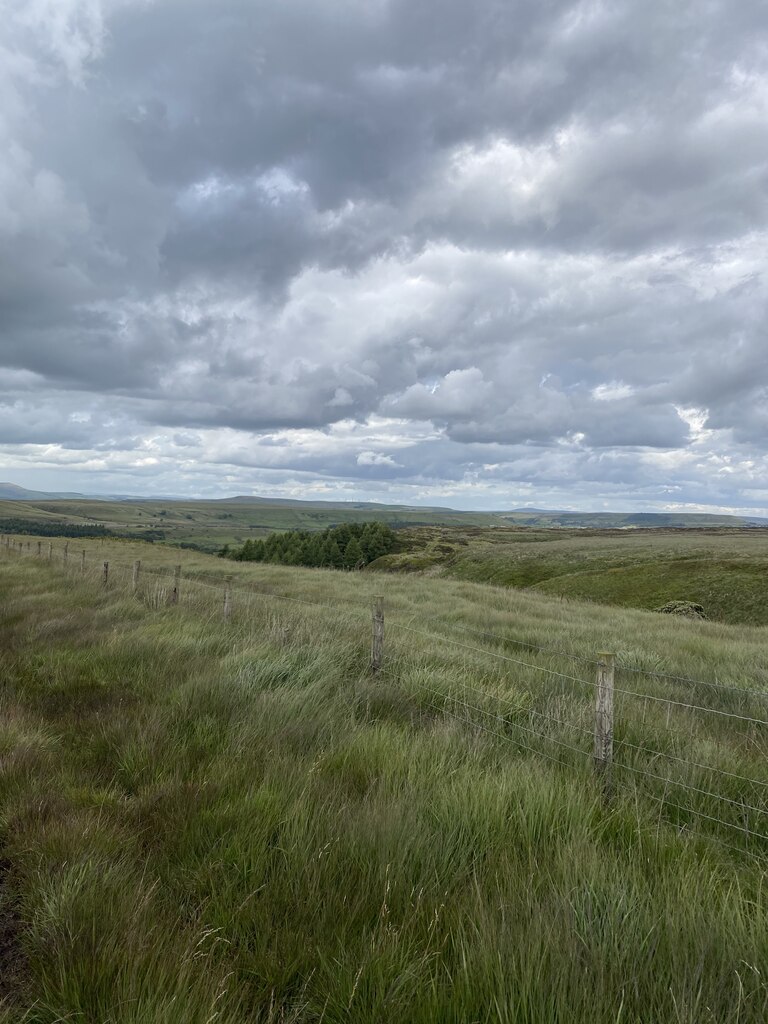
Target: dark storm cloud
<point x="533" y="225"/>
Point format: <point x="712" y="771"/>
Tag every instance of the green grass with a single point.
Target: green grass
<point x="726" y="571"/>
<point x="234" y="822"/>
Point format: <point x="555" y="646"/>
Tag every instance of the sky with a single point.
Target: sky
<point x="486" y="254"/>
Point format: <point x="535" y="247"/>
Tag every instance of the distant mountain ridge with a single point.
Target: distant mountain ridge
<point x="12" y="492"/>
<point x="626" y="520"/>
<point x="542" y="518"/>
<point x="255" y="499"/>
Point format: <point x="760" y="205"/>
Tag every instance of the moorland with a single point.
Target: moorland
<point x="212" y="810"/>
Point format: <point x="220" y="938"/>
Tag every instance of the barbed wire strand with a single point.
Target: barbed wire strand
<point x="686" y="830"/>
<point x="693" y="764"/>
<point x="494" y="654"/>
<point x="509" y="639"/>
<point x="591" y="661"/>
<point x="525" y="709"/>
<point x="691" y="707"/>
<point x="515" y="725"/>
<point x="693" y="789"/>
<point x="719" y="821"/>
<point x="689" y="679"/>
<point x="498" y="735"/>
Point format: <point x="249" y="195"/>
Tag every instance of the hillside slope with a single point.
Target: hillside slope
<point x="234" y="822"/>
<point x="726" y="571"/>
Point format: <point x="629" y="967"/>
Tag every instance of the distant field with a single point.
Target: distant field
<point x="725" y="570"/>
<point x="210" y="525"/>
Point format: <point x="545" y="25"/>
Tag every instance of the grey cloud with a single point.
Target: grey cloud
<point x="256" y="216"/>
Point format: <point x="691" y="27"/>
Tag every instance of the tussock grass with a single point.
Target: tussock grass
<point x="230" y="822"/>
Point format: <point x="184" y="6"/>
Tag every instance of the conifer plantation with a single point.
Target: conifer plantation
<point x="349" y="546"/>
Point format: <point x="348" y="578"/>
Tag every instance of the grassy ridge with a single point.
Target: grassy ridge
<point x="206" y="823"/>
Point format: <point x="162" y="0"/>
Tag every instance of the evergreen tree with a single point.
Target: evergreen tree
<point x="331" y="555"/>
<point x="353" y="554"/>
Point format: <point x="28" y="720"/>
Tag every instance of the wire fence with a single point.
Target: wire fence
<point x="551" y="714"/>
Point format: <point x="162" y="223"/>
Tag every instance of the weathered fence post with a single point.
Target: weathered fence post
<point x="105" y="574"/>
<point x="39" y="548"/>
<point x="135" y="576"/>
<point x="176" y="583"/>
<point x="82" y="562"/>
<point x="66" y="549"/>
<point x="606" y="664"/>
<point x="228" y="599"/>
<point x="50" y="550"/>
<point x="377" y="639"/>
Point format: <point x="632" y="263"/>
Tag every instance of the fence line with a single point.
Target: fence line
<point x="694" y="789"/>
<point x="708" y="836"/>
<point x="499" y="735"/>
<point x="762" y="694"/>
<point x="507" y="722"/>
<point x="492" y="654"/>
<point x="512" y="640"/>
<point x="693" y="707"/>
<point x="693" y="764"/>
<point x="603" y="756"/>
<point x="525" y="709"/>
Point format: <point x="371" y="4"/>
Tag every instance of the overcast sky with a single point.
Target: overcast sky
<point x="486" y="253"/>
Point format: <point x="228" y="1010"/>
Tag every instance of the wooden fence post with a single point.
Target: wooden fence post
<point x="176" y="583"/>
<point x="606" y="664"/>
<point x="135" y="576"/>
<point x="105" y="574"/>
<point x="39" y="548"/>
<point x="227" y="599"/>
<point x="50" y="550"/>
<point x="82" y="562"/>
<point x="66" y="549"/>
<point x="377" y="639"/>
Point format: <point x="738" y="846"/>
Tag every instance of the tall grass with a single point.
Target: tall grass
<point x="207" y="821"/>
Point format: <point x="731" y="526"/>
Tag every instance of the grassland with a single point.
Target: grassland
<point x="726" y="571"/>
<point x="205" y="821"/>
<point x="209" y="525"/>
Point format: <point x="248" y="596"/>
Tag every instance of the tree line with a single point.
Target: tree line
<point x="59" y="528"/>
<point x="52" y="528"/>
<point x="349" y="546"/>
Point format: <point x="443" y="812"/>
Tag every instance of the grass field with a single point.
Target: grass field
<point x="726" y="571"/>
<point x="233" y="821"/>
<point x="210" y="525"/>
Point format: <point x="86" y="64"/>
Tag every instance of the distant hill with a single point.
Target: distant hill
<point x="12" y="492"/>
<point x="254" y="499"/>
<point x="255" y="512"/>
<point x="626" y="520"/>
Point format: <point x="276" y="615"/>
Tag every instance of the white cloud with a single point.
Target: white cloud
<point x="375" y="459"/>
